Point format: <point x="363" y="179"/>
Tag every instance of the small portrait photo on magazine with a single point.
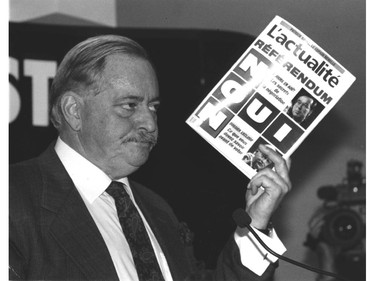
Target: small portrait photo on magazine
<point x="256" y="159"/>
<point x="304" y="108"/>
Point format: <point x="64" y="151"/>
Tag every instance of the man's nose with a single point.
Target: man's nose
<point x="147" y="119"/>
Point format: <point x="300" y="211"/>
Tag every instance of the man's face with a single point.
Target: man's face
<point x="302" y="107"/>
<point x="119" y="125"/>
<point x="260" y="161"/>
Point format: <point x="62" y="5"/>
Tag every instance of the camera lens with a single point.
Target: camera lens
<point x="343" y="227"/>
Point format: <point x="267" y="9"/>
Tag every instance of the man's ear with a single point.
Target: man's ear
<point x="71" y="106"/>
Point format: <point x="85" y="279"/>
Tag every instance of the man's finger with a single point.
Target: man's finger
<point x="281" y="166"/>
<point x="268" y="179"/>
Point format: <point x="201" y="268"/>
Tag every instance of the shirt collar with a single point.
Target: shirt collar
<point x="90" y="181"/>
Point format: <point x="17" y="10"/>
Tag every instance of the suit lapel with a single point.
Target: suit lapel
<point x="165" y="230"/>
<point x="71" y="223"/>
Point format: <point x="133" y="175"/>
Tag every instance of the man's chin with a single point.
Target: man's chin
<point x="139" y="157"/>
<point x="138" y="160"/>
<point x="135" y="154"/>
<point x="298" y="115"/>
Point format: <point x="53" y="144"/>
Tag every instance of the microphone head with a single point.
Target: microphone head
<point x="241" y="218"/>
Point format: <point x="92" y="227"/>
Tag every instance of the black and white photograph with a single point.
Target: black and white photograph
<point x="186" y="140"/>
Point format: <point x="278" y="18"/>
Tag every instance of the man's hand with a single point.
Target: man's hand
<point x="267" y="189"/>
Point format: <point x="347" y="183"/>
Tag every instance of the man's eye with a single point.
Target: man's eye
<point x="129" y="106"/>
<point x="154" y="107"/>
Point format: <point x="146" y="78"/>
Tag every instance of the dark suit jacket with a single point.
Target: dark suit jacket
<point x="53" y="236"/>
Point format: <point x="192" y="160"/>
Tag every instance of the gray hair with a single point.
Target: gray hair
<point x="82" y="67"/>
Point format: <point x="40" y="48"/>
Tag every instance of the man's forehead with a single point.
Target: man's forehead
<point x="135" y="76"/>
<point x="124" y="63"/>
<point x="306" y="98"/>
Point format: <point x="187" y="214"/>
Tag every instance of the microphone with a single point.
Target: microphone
<point x="242" y="219"/>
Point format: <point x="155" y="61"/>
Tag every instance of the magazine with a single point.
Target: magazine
<point x="275" y="94"/>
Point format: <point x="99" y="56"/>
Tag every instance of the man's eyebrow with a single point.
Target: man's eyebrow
<point x="138" y="98"/>
<point x="155" y="99"/>
<point x="132" y="97"/>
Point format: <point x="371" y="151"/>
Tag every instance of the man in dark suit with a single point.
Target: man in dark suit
<point x="70" y="207"/>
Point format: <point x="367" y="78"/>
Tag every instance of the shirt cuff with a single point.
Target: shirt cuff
<point x="252" y="253"/>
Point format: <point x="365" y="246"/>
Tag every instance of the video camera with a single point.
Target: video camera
<point x="344" y="223"/>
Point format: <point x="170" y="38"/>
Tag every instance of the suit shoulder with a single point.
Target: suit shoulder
<point x="24" y="173"/>
<point x="25" y="185"/>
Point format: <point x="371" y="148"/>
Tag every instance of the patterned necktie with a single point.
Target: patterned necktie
<point x="135" y="233"/>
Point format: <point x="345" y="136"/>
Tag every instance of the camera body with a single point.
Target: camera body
<point x="345" y="204"/>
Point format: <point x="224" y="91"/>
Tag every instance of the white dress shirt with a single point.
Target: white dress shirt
<point x="91" y="183"/>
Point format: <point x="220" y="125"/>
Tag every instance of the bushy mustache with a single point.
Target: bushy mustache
<point x="143" y="137"/>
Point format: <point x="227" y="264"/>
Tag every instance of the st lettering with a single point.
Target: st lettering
<point x="39" y="72"/>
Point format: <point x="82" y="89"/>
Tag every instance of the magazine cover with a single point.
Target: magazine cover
<point x="275" y="94"/>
